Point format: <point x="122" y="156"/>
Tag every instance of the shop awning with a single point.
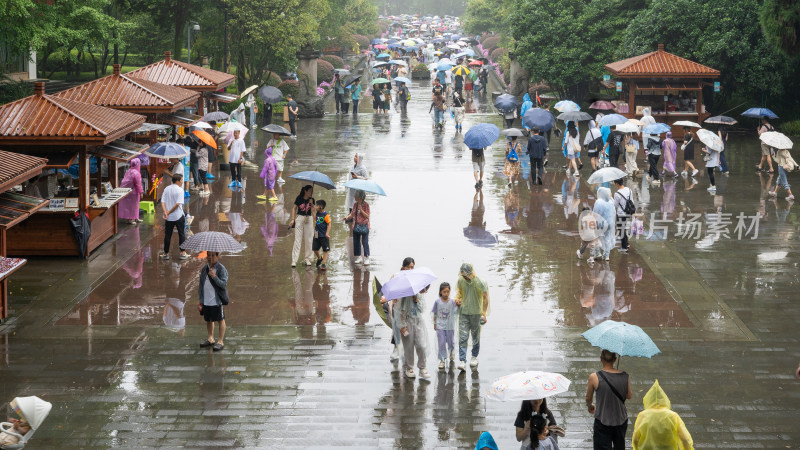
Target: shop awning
<point x="15" y="208"/>
<point x="181" y="119"/>
<point x="667" y="86"/>
<point x="223" y="97"/>
<point x="119" y="150"/>
<point x="148" y="127"/>
<point x="60" y="160"/>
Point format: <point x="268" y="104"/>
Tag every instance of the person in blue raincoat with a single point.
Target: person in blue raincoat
<point x="526" y="105"/>
<point x="486" y="441"/>
<point x="605" y="208"/>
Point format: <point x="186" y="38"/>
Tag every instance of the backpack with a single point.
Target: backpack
<point x="629" y="208"/>
<point x="477" y="152"/>
<point x="512" y="154"/>
<point x="408" y="94"/>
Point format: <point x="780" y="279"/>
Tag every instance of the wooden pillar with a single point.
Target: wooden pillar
<point x="201" y="102"/>
<point x="113" y="173"/>
<point x="4" y="283"/>
<point x="699" y="101"/>
<point x="632" y="98"/>
<point x="83" y="180"/>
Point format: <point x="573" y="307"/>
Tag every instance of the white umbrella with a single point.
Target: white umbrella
<point x="531" y="385"/>
<point x="212" y="241"/>
<point x="687" y="123"/>
<point x="711" y="140"/>
<point x="202" y="125"/>
<point x="776" y="140"/>
<point x="232" y="126"/>
<point x="637" y="122"/>
<point x="605" y="175"/>
<point x="408" y="282"/>
<point x="628" y="127"/>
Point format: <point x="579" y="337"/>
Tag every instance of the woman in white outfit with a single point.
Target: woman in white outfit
<point x="303" y="222"/>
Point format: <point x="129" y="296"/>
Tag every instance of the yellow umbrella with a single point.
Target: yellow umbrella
<point x="460" y="71"/>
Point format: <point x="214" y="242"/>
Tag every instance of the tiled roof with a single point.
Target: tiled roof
<point x="661" y="64"/>
<point x="179" y="73"/>
<point x="16" y="168"/>
<point x="131" y="94"/>
<point x="45" y="119"/>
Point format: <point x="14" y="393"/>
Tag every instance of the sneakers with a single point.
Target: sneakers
<point x="790" y="197"/>
<point x="695" y="172"/>
<point x="473" y="362"/>
<point x="163" y="255"/>
<point x="273" y="199"/>
<point x="462" y="366"/>
<point x="366" y="260"/>
<point x="395" y="354"/>
<point x="358" y="260"/>
<point x="452" y="355"/>
<point x="712" y="189"/>
<point x="184" y="256"/>
<point x="319" y="261"/>
<point x="294" y="265"/>
<point x="424" y="374"/>
<point x="684" y="173"/>
<point x="281" y="180"/>
<point x="262" y="197"/>
<point x="324" y="267"/>
<point x="773" y="193"/>
<point x="441" y="364"/>
<point x="578" y="252"/>
<point x="410" y="373"/>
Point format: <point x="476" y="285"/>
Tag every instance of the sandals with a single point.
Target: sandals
<point x="206" y="343"/>
<point x="218" y="347"/>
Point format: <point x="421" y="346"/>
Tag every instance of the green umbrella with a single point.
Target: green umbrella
<point x="380" y="81"/>
<point x="376" y="300"/>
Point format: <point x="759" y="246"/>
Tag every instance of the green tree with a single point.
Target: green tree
<point x="347" y="18"/>
<point x="780" y="20"/>
<point x="483" y="16"/>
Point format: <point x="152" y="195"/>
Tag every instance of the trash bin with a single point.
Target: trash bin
<point x="285" y="114"/>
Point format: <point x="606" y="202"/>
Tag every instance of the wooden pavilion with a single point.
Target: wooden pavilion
<point x="671" y="86"/>
<point x="14" y="208"/>
<point x="63" y="130"/>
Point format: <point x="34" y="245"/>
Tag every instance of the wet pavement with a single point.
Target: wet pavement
<point x="112" y="342"/>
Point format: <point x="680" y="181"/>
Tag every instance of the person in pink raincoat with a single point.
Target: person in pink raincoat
<point x="269" y="173"/>
<point x="129" y="205"/>
<point x="669" y="149"/>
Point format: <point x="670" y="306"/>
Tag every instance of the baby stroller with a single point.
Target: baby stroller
<point x="32" y="410"/>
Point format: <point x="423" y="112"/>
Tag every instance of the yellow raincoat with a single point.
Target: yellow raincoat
<point x="658" y="427"/>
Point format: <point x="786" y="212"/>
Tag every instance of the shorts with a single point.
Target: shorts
<point x="279" y="164"/>
<point x="213" y="313"/>
<point x="321" y="243"/>
<point x="592" y="153"/>
<point x="764" y="149"/>
<point x="477" y="166"/>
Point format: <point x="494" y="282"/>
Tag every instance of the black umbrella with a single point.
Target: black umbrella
<point x="276" y="129"/>
<point x="82" y="229"/>
<point x="721" y="120"/>
<point x="352" y="80"/>
<point x="270" y="94"/>
<point x="574" y="116"/>
<point x="472" y="41"/>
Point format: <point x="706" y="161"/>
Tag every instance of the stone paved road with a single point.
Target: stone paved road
<point x="306" y="361"/>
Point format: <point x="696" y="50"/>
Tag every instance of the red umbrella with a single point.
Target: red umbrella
<point x="602" y="104"/>
<point x="475" y="63"/>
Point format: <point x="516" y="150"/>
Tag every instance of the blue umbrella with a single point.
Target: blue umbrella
<point x="655" y="128"/>
<point x="481" y="135"/>
<point x="384" y="55"/>
<point x="469" y="52"/>
<point x="315" y="178"/>
<point x="402" y="80"/>
<point x="411" y="48"/>
<point x="759" y="113"/>
<point x="444" y="66"/>
<point x="439" y="40"/>
<point x="621" y="338"/>
<point x="396" y="61"/>
<point x="455" y="37"/>
<point x="366" y="186"/>
<point x="506" y="103"/>
<point x="377" y="41"/>
<point x="611" y="120"/>
<point x="394" y="46"/>
<point x="392" y="41"/>
<point x="167" y="150"/>
<point x="539" y="118"/>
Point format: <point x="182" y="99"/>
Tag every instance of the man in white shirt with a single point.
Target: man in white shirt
<point x="621" y="197"/>
<point x="172" y="204"/>
<point x="235" y="160"/>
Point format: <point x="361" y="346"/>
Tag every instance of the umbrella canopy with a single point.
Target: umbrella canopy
<point x="381" y="64"/>
<point x="32" y="408"/>
<point x="231" y="126"/>
<point x="398" y="62"/>
<point x="574" y="116"/>
<point x="351" y="80"/>
<point x="82" y="230"/>
<point x="248" y="90"/>
<point x="605" y="175"/>
<point x="437" y="53"/>
<point x="380" y="46"/>
<point x="167" y="150"/>
<point x="602" y="105"/>
<point x="611" y="120"/>
<point x="622" y="338"/>
<point x="315" y="178"/>
<point x="205" y="137"/>
<point x="759" y="113"/>
<point x="384" y="55"/>
<point x="217" y="116"/>
<point x="402" y="80"/>
<point x="408" y="282"/>
<point x="201" y="125"/>
<point x="379" y="81"/>
<point x="505" y="103"/>
<point x="566" y="106"/>
<point x="460" y="71"/>
<point x="365" y="185"/>
<point x="475" y="63"/>
<point x="212" y="241"/>
<point x="721" y="120"/>
<point x="531" y="385"/>
<point x="628" y="127"/>
<point x="341" y="72"/>
<point x="656" y="128"/>
<point x="412" y="48"/>
<point x="636" y="122"/>
<point x="481" y="135"/>
<point x="539" y="118"/>
<point x="276" y="129"/>
<point x="444" y="65"/>
<point x="686" y="123"/>
<point x="270" y="94"/>
<point x="512" y="132"/>
<point x="776" y="140"/>
<point x="472" y="41"/>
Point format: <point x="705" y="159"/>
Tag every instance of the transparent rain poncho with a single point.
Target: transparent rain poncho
<point x="658" y="427"/>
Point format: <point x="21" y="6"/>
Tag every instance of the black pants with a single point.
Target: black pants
<point x="653" y="170"/>
<point x="607" y="438"/>
<point x="236" y="171"/>
<point x="623" y="231"/>
<point x="338" y="99"/>
<point x="193" y="168"/>
<point x="613" y="157"/>
<point x="710" y="171"/>
<point x="291" y="125"/>
<point x="267" y="117"/>
<point x="355" y="107"/>
<point x="345" y="107"/>
<point x="169" y="225"/>
<point x="403" y="106"/>
<point x="509" y="123"/>
<point x="537" y="170"/>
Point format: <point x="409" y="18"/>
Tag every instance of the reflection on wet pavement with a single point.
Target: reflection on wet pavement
<point x="307" y="356"/>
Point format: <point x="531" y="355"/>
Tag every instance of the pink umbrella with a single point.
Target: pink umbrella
<point x="380" y="46"/>
<point x="602" y="105"/>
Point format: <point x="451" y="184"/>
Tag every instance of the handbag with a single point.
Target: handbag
<point x="359" y="227"/>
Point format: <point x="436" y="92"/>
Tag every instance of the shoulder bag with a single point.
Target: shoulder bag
<point x="361" y="228"/>
<point x="613" y="389"/>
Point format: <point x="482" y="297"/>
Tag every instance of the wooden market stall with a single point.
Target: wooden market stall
<point x="45" y="125"/>
<point x="160" y="103"/>
<point x="671" y="86"/>
<point x="14" y="208"/>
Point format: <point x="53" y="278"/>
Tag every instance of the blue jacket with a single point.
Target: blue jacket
<point x="221" y="280"/>
<point x="537" y="146"/>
